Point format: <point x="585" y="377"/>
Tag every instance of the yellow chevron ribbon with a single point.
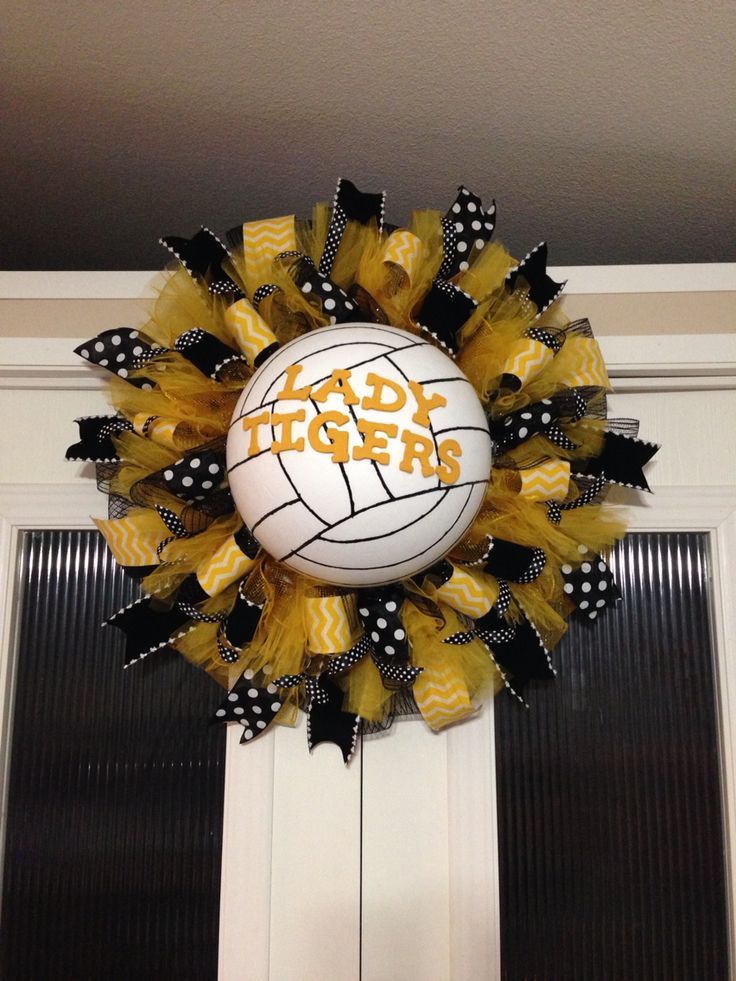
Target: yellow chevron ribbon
<point x="547" y="482"/>
<point x="248" y="329"/>
<point x="262" y="242"/>
<point x="133" y="540"/>
<point x="227" y="565"/>
<point x="157" y="429"/>
<point x="442" y="696"/>
<point x="404" y="249"/>
<point x="467" y="593"/>
<point x="332" y="623"/>
<point x="527" y="358"/>
<point x="588" y="365"/>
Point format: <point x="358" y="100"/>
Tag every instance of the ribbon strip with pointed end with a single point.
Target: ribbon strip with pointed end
<point x="252" y="707"/>
<point x="96" y="438"/>
<point x="620" y="461"/>
<point x="349" y="204"/>
<point x="120" y="352"/>
<point x="147" y="627"/>
<point x="466" y="229"/>
<point x="202" y="256"/>
<point x="444" y="311"/>
<point x="543" y="290"/>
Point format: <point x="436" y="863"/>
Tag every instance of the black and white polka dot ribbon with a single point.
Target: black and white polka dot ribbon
<point x="121" y="351"/>
<point x="466" y="229"/>
<point x="539" y="418"/>
<point x="195" y="476"/>
<point x="320" y="290"/>
<point x="174" y="524"/>
<point x="349" y="204"/>
<point x="542" y="289"/>
<point x="590" y="586"/>
<point x="254" y="708"/>
<point x="586" y="496"/>
<point x="313" y="686"/>
<point x="379" y="611"/>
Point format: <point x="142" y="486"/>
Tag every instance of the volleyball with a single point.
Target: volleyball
<point x="358" y="454"/>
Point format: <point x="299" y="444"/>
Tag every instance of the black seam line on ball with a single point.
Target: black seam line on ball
<point x="318" y="381"/>
<point x="370" y="507"/>
<point x="383" y="565"/>
<point x="434" y="437"/>
<point x="268" y="514"/>
<point x="373" y="538"/>
<point x="359" y="364"/>
<point x="376" y="467"/>
<point x="248" y="459"/>
<point x="455" y="429"/>
<point x="293" y="487"/>
<point x="454" y="378"/>
<point x="349" y="489"/>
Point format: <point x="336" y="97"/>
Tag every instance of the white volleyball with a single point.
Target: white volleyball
<point x="358" y="454"/>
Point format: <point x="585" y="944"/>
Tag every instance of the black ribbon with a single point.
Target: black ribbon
<point x="516" y="563"/>
<point x="328" y="723"/>
<point x="543" y="290"/>
<point x="349" y="204"/>
<point x="208" y="353"/>
<point x="444" y="311"/>
<point x="147" y="627"/>
<point x="96" y="438"/>
<point x="202" y="256"/>
<point x="620" y="461"/>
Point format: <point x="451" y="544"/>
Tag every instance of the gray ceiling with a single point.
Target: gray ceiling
<point x="608" y="130"/>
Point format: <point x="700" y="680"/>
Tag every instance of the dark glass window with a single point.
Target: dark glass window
<point x="112" y="851"/>
<point x="612" y="854"/>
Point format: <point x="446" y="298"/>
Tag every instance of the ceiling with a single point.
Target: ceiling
<point x="608" y="130"/>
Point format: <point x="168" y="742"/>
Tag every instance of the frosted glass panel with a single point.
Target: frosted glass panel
<point x="611" y="844"/>
<point x="112" y="859"/>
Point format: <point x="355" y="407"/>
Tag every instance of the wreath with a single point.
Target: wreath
<point x="359" y="469"/>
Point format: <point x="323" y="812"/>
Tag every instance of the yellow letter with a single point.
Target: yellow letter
<point x="424" y="404"/>
<point x="417" y="448"/>
<point x="446" y="451"/>
<point x="337" y="382"/>
<point x="288" y="391"/>
<point x="337" y="443"/>
<point x="373" y="442"/>
<point x="251" y="424"/>
<point x="287" y="441"/>
<point x="374" y="401"/>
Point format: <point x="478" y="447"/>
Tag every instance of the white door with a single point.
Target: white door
<point x="388" y="869"/>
